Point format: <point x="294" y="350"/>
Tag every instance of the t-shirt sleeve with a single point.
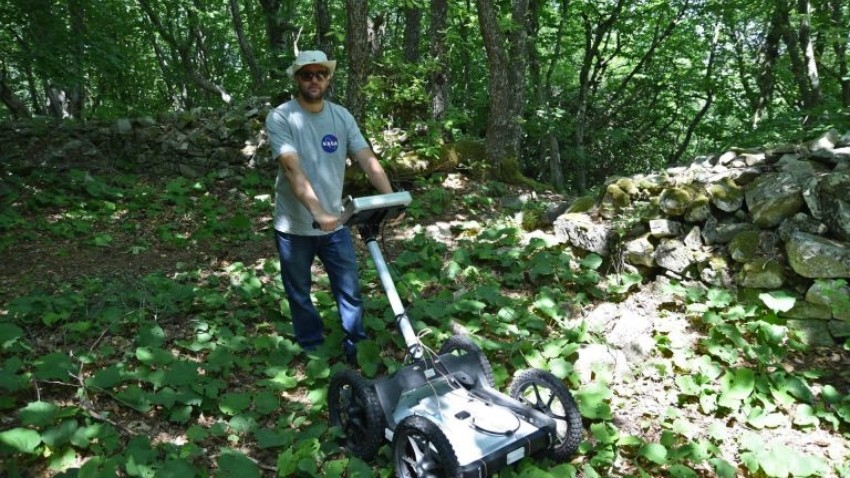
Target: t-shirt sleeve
<point x="280" y="134"/>
<point x="356" y="141"/>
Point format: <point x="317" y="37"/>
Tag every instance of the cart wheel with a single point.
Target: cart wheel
<point x="421" y="450"/>
<point x="545" y="392"/>
<point x="461" y="344"/>
<point x="354" y="407"/>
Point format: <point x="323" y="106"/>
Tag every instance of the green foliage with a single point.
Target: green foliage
<point x="205" y="350"/>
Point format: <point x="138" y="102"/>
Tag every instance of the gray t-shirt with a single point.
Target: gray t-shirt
<point x="322" y="141"/>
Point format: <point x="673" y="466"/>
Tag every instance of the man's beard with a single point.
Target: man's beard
<point x="312" y="96"/>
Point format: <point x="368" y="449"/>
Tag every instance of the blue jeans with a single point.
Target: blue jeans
<point x="336" y="251"/>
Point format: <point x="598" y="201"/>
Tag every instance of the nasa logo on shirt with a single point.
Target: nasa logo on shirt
<point x="330" y="143"/>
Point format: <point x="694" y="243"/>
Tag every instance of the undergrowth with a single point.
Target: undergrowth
<point x="192" y="371"/>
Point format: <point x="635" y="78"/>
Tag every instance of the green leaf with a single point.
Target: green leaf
<point x="778" y="301"/>
<point x="9" y="335"/>
<point x="592" y="262"/>
<point x="234" y="463"/>
<point x="805" y="416"/>
<point x="153" y="356"/>
<point x="53" y="366"/>
<point x="234" y="403"/>
<point x="722" y="468"/>
<point x="654" y="452"/>
<point x="21" y="440"/>
<point x="59" y="435"/>
<point x="736" y="386"/>
<point x="560" y="368"/>
<point x="39" y="414"/>
<point x="592" y="401"/>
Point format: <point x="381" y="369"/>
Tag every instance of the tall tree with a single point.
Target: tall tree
<point x="412" y="33"/>
<point x="245" y="47"/>
<point x="597" y="31"/>
<point x="280" y="32"/>
<point x="323" y="26"/>
<point x="187" y="45"/>
<point x="506" y="66"/>
<point x="541" y="80"/>
<point x="357" y="46"/>
<point x="439" y="84"/>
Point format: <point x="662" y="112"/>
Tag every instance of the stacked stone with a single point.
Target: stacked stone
<point x="749" y="220"/>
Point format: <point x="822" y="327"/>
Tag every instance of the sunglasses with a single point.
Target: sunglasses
<point x="309" y="75"/>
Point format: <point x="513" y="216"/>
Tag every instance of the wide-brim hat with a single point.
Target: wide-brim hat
<point x="311" y="57"/>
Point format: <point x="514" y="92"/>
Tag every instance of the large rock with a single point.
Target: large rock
<point x="774" y="197"/>
<point x="835" y="204"/>
<point x="583" y="232"/>
<point x="818" y="257"/>
<point x="674" y="255"/>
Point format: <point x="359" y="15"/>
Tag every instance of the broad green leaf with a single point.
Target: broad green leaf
<point x="21" y="440"/>
<point x="153" y="356"/>
<point x="805" y="416"/>
<point x="234" y="463"/>
<point x="736" y="386"/>
<point x="560" y="368"/>
<point x="177" y="468"/>
<point x="722" y="468"/>
<point x="59" y="435"/>
<point x="9" y="335"/>
<point x="776" y="462"/>
<point x="234" y="403"/>
<point x="54" y="366"/>
<point x="778" y="301"/>
<point x="592" y="261"/>
<point x="682" y="471"/>
<point x="654" y="452"/>
<point x="38" y="414"/>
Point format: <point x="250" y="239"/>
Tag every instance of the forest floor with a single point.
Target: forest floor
<point x="644" y="402"/>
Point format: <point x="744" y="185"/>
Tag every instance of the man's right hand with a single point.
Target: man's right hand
<point x="326" y="222"/>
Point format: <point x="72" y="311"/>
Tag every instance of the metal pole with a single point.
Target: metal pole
<point x="402" y="321"/>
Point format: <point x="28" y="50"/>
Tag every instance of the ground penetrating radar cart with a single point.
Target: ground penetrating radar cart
<point x="440" y="411"/>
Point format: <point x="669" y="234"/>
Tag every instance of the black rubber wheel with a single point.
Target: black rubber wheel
<point x="353" y="406"/>
<point x="461" y="344"/>
<point x="421" y="450"/>
<point x="545" y="392"/>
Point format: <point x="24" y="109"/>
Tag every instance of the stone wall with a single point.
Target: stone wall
<point x="191" y="143"/>
<point x="747" y="220"/>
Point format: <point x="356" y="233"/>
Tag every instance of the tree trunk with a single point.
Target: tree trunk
<point x="506" y="71"/>
<point x="799" y="51"/>
<point x="182" y="48"/>
<point x="839" y="46"/>
<point x="357" y="46"/>
<point x="765" y="80"/>
<point x="440" y="75"/>
<point x="245" y="47"/>
<point x="412" y="33"/>
<point x="76" y="84"/>
<point x="709" y="98"/>
<point x="323" y="27"/>
<point x="808" y="51"/>
<point x="376" y="31"/>
<point x="542" y="92"/>
<point x="17" y="108"/>
<point x="593" y="38"/>
<point x="280" y="33"/>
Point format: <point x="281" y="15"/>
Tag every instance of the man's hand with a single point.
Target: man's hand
<point x="326" y="222"/>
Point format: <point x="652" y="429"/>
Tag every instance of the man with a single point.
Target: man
<point x="310" y="139"/>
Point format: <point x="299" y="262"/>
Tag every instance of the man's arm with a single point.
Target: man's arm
<point x="374" y="171"/>
<point x="303" y="191"/>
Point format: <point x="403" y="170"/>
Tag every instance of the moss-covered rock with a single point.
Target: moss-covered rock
<point x="726" y="195"/>
<point x="762" y="274"/>
<point x="675" y="201"/>
<point x="744" y="246"/>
